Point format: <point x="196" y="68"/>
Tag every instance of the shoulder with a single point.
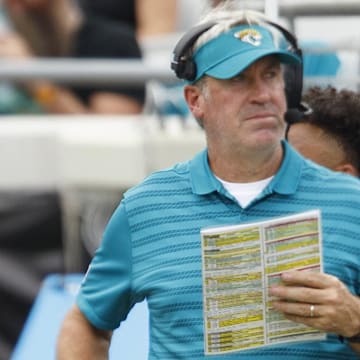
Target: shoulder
<point x="324" y="182"/>
<point x="311" y="173"/>
<point x="171" y="179"/>
<point x="320" y="173"/>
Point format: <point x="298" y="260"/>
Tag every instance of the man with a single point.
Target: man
<point x="330" y="133"/>
<point x="152" y="247"/>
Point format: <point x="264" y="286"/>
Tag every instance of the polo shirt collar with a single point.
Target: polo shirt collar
<point x="202" y="178"/>
<point x="284" y="182"/>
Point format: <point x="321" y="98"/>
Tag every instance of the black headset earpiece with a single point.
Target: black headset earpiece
<point x="182" y="64"/>
<point x="185" y="68"/>
<point x="293" y="72"/>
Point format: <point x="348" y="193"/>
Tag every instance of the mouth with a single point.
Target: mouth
<point x="262" y="116"/>
<point x="263" y="121"/>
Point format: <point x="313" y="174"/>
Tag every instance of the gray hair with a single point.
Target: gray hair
<point x="227" y="16"/>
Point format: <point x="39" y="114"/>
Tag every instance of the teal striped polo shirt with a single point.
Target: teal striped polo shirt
<point x="151" y="249"/>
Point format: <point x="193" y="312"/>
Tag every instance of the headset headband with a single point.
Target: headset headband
<point x="185" y="67"/>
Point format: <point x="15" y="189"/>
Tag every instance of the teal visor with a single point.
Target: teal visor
<point x="233" y="51"/>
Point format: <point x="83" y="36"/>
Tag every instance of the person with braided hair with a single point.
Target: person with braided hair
<point x="330" y="133"/>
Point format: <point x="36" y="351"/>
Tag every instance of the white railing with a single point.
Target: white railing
<point x="94" y="71"/>
<point x="97" y="72"/>
<point x="294" y="8"/>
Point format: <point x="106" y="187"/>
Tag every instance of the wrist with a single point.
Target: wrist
<point x="351" y="339"/>
<point x="44" y="93"/>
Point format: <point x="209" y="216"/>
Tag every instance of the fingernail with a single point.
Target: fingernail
<point x="286" y="276"/>
<point x="273" y="290"/>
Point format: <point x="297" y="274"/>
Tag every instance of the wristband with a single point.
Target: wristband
<point x="352" y="339"/>
<point x="44" y="94"/>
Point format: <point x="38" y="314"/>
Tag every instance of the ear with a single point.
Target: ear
<point x="348" y="169"/>
<point x="194" y="99"/>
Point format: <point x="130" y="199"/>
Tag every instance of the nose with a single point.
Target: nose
<point x="260" y="90"/>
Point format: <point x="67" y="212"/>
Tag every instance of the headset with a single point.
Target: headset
<point x="185" y="67"/>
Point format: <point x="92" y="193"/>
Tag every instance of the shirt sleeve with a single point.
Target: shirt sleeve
<point x="105" y="296"/>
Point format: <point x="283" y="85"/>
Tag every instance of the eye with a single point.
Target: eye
<point x="272" y="73"/>
<point x="239" y="78"/>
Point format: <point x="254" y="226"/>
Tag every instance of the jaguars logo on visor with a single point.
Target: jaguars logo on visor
<point x="250" y="36"/>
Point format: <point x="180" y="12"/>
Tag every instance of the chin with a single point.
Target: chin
<point x="267" y="138"/>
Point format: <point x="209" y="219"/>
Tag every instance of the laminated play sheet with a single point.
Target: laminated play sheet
<point x="240" y="262"/>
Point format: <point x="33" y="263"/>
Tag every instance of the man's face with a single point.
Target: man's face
<point x="314" y="144"/>
<point x="246" y="112"/>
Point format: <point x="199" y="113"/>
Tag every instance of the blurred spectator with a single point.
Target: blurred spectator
<point x="13" y="100"/>
<point x="146" y="17"/>
<point x="58" y="28"/>
<point x="154" y="22"/>
<point x="330" y="134"/>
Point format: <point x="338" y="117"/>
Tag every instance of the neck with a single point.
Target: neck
<point x="241" y="168"/>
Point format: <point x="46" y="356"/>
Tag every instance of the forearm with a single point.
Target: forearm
<point x="55" y="99"/>
<point x="355" y="347"/>
<point x="355" y="344"/>
<point x="78" y="339"/>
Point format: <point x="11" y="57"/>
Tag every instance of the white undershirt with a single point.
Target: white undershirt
<point x="245" y="192"/>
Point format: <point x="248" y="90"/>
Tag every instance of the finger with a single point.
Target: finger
<point x="307" y="314"/>
<point x="313" y="322"/>
<point x="319" y="323"/>
<point x="298" y="294"/>
<point x="310" y="279"/>
<point x="303" y="310"/>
